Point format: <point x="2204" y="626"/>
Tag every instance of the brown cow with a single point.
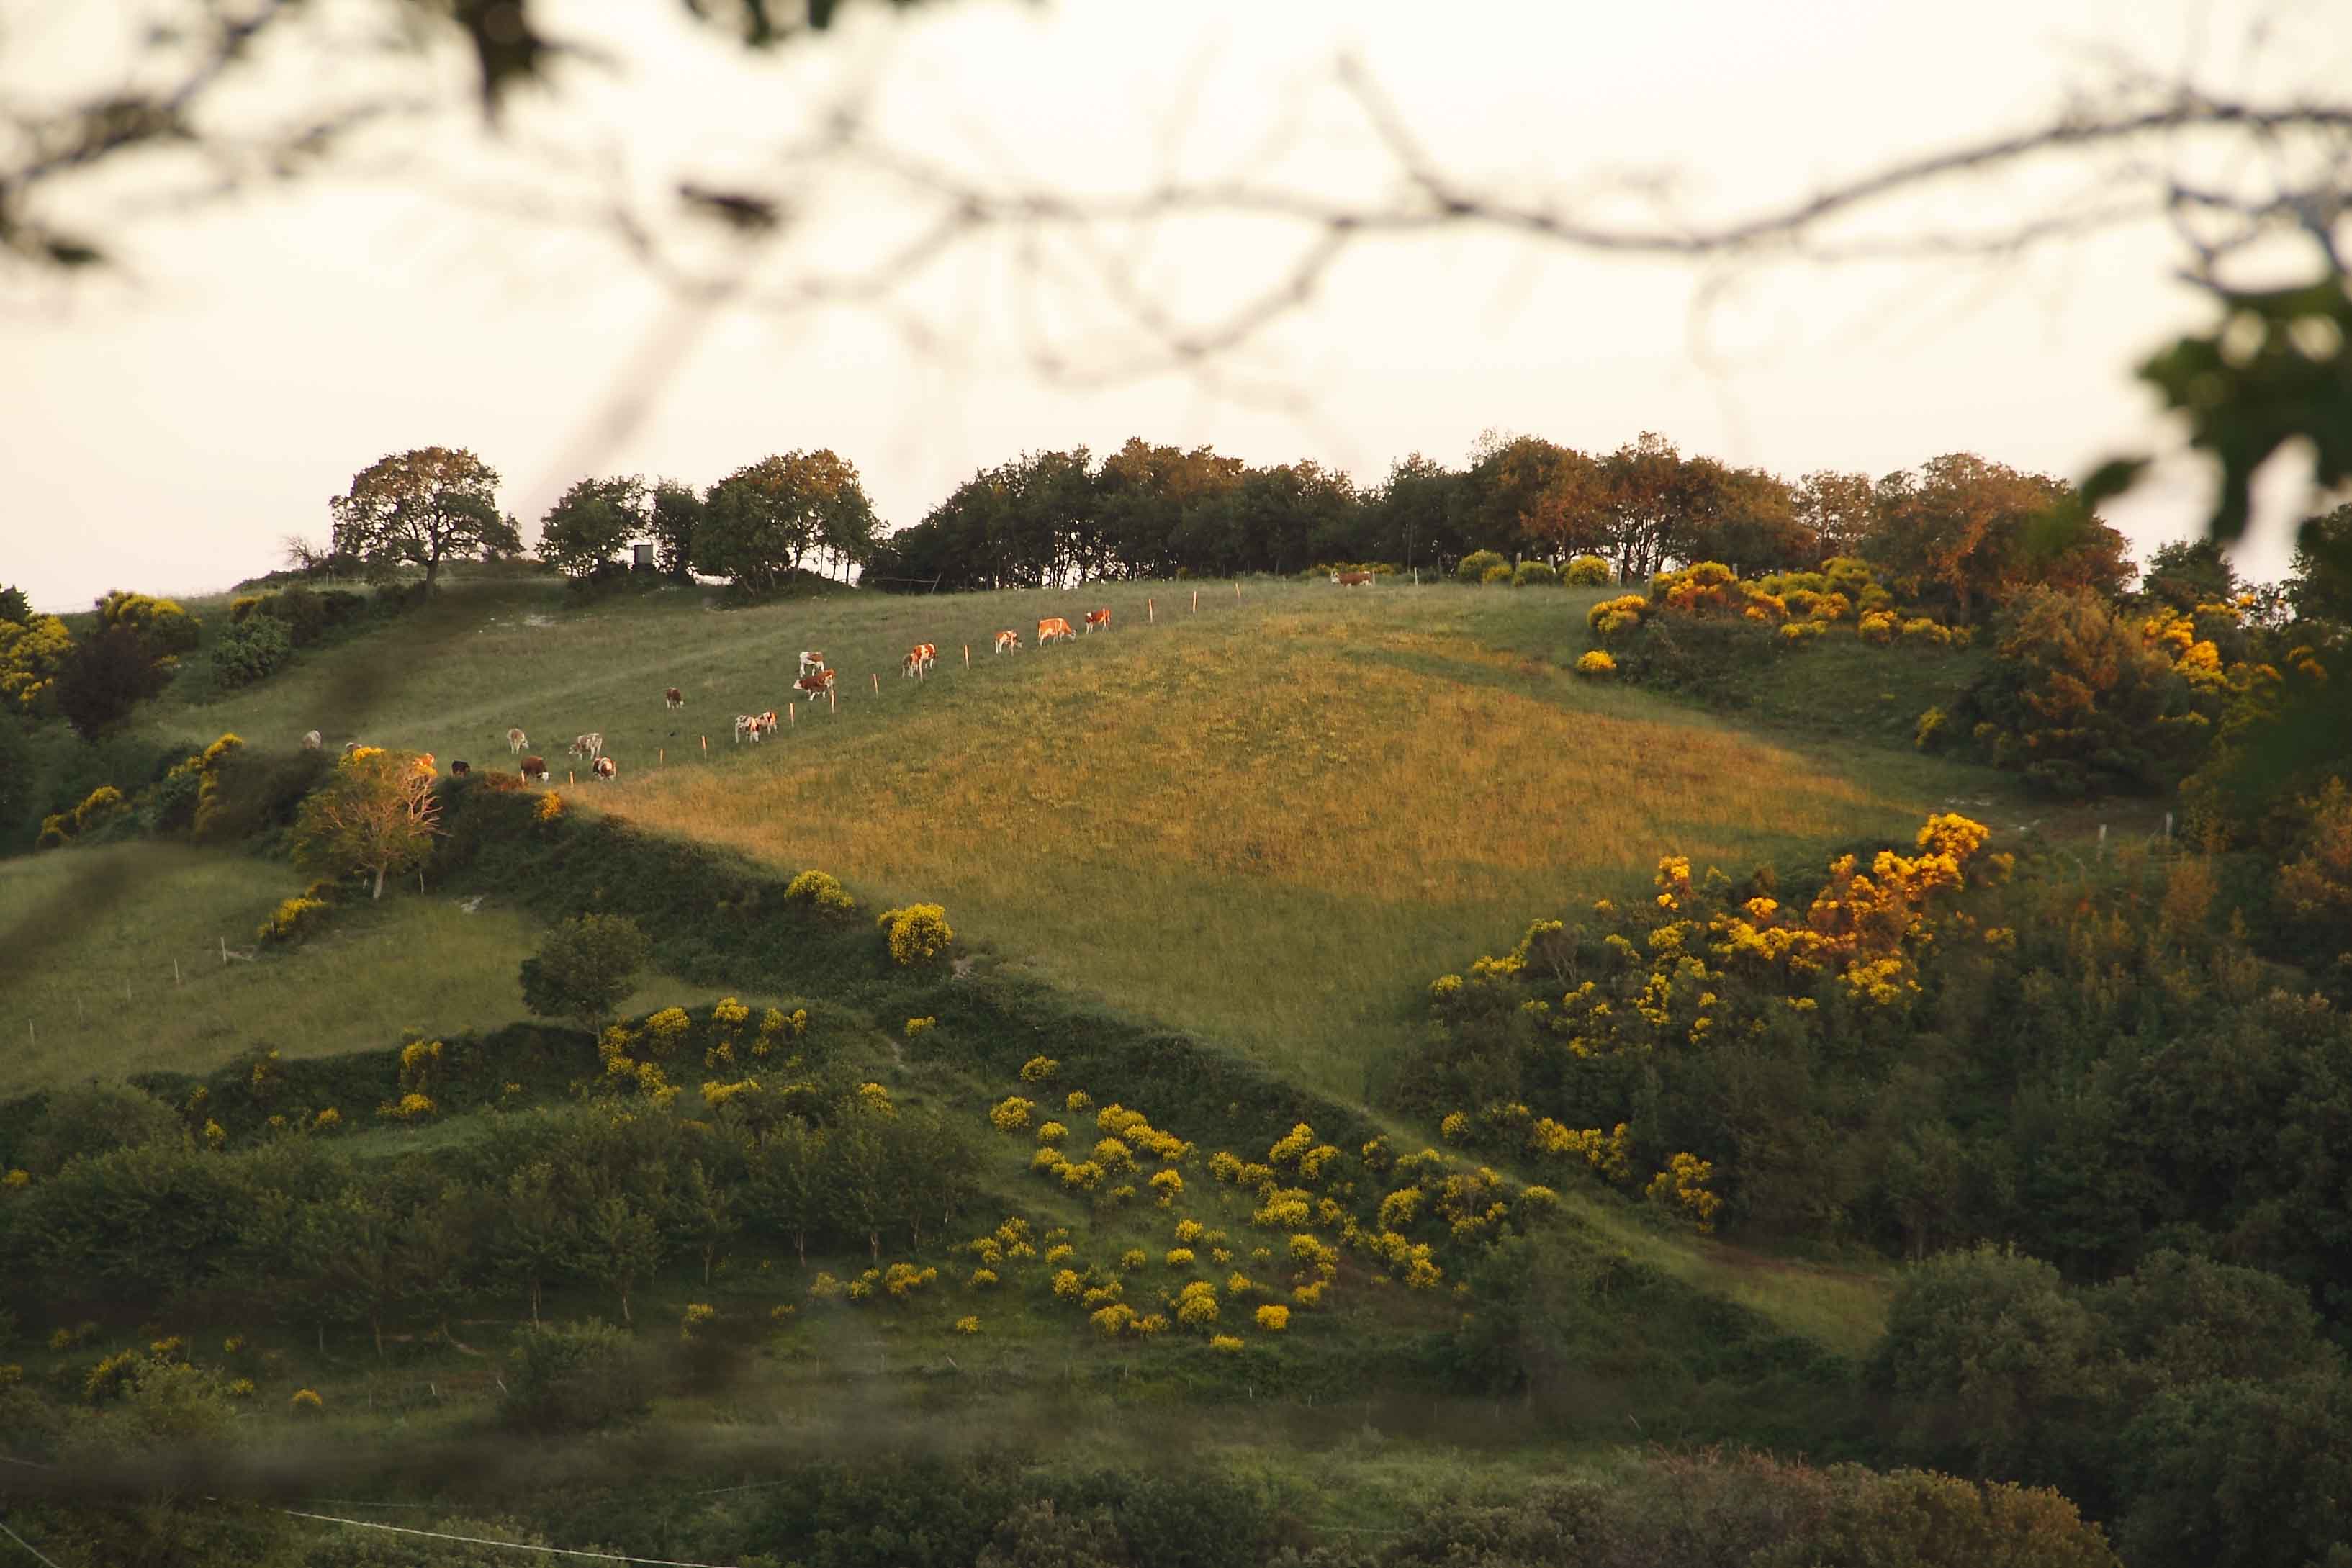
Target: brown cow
<point x="1098" y="620"/>
<point x="919" y="660"/>
<point x="1008" y="642"/>
<point x="817" y="683"/>
<point x="606" y="769"/>
<point x="1054" y="628"/>
<point x="1352" y="579"/>
<point x="812" y="661"/>
<point x="534" y="770"/>
<point x="675" y="698"/>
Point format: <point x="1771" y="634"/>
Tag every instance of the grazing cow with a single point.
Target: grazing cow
<point x="350" y="746"/>
<point x="919" y="660"/>
<point x="310" y="741"/>
<point x="1098" y="620"/>
<point x="817" y="683"/>
<point x="1008" y="642"/>
<point x="812" y="661"/>
<point x="459" y="769"/>
<point x="534" y="770"/>
<point x="747" y="727"/>
<point x="590" y="745"/>
<point x="516" y="742"/>
<point x="1054" y="628"/>
<point x="675" y="698"/>
<point x="605" y="769"/>
<point x="1352" y="579"/>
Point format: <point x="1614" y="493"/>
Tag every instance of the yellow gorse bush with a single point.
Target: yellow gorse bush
<point x="917" y="934"/>
<point x="1039" y="1070"/>
<point x="1012" y="1113"/>
<point x="1274" y="1318"/>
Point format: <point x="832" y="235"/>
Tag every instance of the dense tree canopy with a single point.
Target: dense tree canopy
<point x="421" y="507"/>
<point x="592" y="523"/>
<point x="761" y="523"/>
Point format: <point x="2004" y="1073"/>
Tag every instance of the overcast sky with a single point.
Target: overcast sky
<point x="165" y="430"/>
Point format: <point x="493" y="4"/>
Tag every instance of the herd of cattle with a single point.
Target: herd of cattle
<point x="815" y="680"/>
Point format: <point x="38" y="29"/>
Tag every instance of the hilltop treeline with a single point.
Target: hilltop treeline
<point x="1958" y="521"/>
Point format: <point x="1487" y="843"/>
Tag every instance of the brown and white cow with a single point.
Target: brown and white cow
<point x="675" y="698"/>
<point x="1008" y="642"/>
<point x="534" y="770"/>
<point x="919" y="660"/>
<point x="817" y="683"/>
<point x="748" y="727"/>
<point x="1098" y="620"/>
<point x="1352" y="579"/>
<point x="812" y="660"/>
<point x="310" y="741"/>
<point x="606" y="769"/>
<point x="590" y="745"/>
<point x="516" y="742"/>
<point x="1054" y="628"/>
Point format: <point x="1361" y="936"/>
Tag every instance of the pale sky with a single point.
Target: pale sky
<point x="164" y="429"/>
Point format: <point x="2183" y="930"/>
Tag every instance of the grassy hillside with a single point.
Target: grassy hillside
<point x="1269" y="819"/>
<point x="101" y="930"/>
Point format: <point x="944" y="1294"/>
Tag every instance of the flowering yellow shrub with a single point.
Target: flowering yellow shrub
<point x="550" y="806"/>
<point x="1083" y="1176"/>
<point x="1039" y="1069"/>
<point x="1168" y="1186"/>
<point x="903" y="1279"/>
<point x="697" y="1314"/>
<point x="1595" y="662"/>
<point x="306" y="1402"/>
<point x="1066" y="1284"/>
<point x="1012" y="1113"/>
<point x="294" y="920"/>
<point x="875" y="1098"/>
<point x="967" y="1325"/>
<point x="1612" y="618"/>
<point x="1078" y="1103"/>
<point x="1274" y="1318"/>
<point x="918" y="1027"/>
<point x="1399" y="1208"/>
<point x="1052" y="1132"/>
<point x="1310" y="1295"/>
<point x="1059" y="1251"/>
<point x="1196" y="1304"/>
<point x="825" y="1286"/>
<point x="16" y="1178"/>
<point x="982" y="1279"/>
<point x="820" y="890"/>
<point x="916" y="933"/>
<point x="1586" y="572"/>
<point x="1538" y="1200"/>
<point x="1224" y="1344"/>
<point x="1115" y="1320"/>
<point x="1455" y="1127"/>
<point x="1876" y="629"/>
<point x="1291" y="1145"/>
<point x="408" y="1108"/>
<point x="241" y="1388"/>
<point x="1284" y="1207"/>
<point x="1682" y="1186"/>
<point x="1179" y="1258"/>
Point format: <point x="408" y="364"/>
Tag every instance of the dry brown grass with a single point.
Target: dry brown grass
<point x="1274" y="824"/>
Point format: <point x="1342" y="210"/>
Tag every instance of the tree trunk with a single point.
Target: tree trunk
<point x="379" y="884"/>
<point x="534" y="1303"/>
<point x="376" y="1322"/>
<point x="625" y="1307"/>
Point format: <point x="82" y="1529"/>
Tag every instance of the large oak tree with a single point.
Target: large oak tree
<point x="761" y="522"/>
<point x="423" y="507"/>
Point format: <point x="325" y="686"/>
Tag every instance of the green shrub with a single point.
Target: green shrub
<point x="918" y="933"/>
<point x="585" y="969"/>
<point x="250" y="649"/>
<point x="1534" y="574"/>
<point x="574" y="1377"/>
<point x="1475" y="566"/>
<point x="1587" y="571"/>
<point x="1497" y="573"/>
<point x="93" y="1118"/>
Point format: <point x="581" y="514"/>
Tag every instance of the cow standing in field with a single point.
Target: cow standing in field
<point x="1352" y="579"/>
<point x="817" y="683"/>
<point x="605" y="769"/>
<point x="1098" y="620"/>
<point x="752" y="726"/>
<point x="516" y="742"/>
<point x="534" y="770"/>
<point x="675" y="698"/>
<point x="460" y="768"/>
<point x="1054" y="628"/>
<point x="919" y="660"/>
<point x="311" y="741"/>
<point x="590" y="745"/>
<point x="812" y="661"/>
<point x="1008" y="642"/>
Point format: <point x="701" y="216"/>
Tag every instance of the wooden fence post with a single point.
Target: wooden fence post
<point x="830" y="705"/>
<point x="1237" y="587"/>
<point x="967" y="656"/>
<point x="877" y="683"/>
<point x="706" y="745"/>
<point x="792" y="714"/>
<point x="661" y="758"/>
<point x="224" y="952"/>
<point x="568" y="780"/>
<point x="1196" y="601"/>
<point x="1149" y="616"/>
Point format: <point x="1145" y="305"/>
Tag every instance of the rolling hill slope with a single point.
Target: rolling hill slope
<point x="1271" y="820"/>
